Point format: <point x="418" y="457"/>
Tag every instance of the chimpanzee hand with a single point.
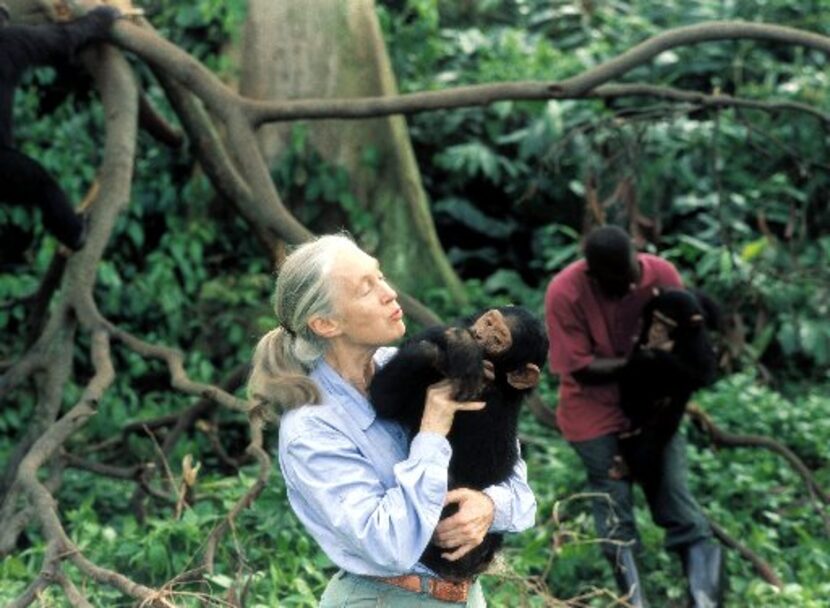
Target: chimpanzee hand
<point x="666" y="345"/>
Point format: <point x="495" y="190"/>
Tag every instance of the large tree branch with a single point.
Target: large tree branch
<point x="223" y="103"/>
<point x="261" y="112"/>
<point x="226" y="104"/>
<point x="119" y="96"/>
<point x="253" y="192"/>
<point x="585" y="85"/>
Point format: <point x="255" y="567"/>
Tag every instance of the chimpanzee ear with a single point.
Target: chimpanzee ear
<point x="526" y="377"/>
<point x="696" y="319"/>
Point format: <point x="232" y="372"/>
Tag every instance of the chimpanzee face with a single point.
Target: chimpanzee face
<point x="660" y="332"/>
<point x="515" y="344"/>
<point x="672" y="311"/>
<point x="492" y="333"/>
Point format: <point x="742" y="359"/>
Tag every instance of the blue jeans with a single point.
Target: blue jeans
<point x="346" y="589"/>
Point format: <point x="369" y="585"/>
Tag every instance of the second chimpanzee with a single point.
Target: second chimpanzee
<point x="673" y="358"/>
<point x="494" y="356"/>
<point x="24" y="181"/>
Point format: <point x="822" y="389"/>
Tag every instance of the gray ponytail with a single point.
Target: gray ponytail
<point x="285" y="355"/>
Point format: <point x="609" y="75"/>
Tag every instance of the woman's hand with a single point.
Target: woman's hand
<point x="440" y="408"/>
<point x="466" y="529"/>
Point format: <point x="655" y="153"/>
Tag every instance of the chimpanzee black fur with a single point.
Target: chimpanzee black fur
<point x="23" y="180"/>
<point x="658" y="381"/>
<point x="484" y="442"/>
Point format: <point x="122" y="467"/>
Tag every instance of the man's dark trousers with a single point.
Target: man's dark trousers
<point x="671" y="504"/>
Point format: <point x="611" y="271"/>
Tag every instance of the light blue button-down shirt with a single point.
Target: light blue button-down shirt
<point x="368" y="499"/>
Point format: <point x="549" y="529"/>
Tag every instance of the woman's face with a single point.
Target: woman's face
<point x="366" y="307"/>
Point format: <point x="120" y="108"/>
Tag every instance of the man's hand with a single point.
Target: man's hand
<point x="465" y="530"/>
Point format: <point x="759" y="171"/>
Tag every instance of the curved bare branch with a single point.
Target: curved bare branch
<point x="178" y="376"/>
<point x="51" y="561"/>
<point x="709" y="31"/>
<point x="223" y="103"/>
<point x="255" y="449"/>
<point x="613" y="91"/>
<point x="45" y="447"/>
<point x="156" y="125"/>
<point x="763" y="569"/>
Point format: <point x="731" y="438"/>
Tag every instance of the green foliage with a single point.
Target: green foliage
<point x="508" y="181"/>
<point x="783" y="293"/>
<point x="753" y="494"/>
<point x="203" y="27"/>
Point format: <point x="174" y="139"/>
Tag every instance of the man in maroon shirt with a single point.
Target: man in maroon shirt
<point x="592" y="310"/>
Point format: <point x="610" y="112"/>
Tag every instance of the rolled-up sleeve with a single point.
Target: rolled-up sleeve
<point x="335" y="491"/>
<point x="515" y="504"/>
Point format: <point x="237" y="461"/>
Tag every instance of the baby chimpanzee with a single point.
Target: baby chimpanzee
<point x="494" y="356"/>
<point x="672" y="360"/>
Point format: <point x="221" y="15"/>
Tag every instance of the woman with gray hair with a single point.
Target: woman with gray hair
<point x="369" y="497"/>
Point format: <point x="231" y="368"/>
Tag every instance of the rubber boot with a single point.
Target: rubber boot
<point x="704" y="565"/>
<point x="628" y="578"/>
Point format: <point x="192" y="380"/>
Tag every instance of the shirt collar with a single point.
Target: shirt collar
<point x="349" y="399"/>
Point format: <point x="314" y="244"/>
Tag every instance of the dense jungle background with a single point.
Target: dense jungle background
<point x="736" y="195"/>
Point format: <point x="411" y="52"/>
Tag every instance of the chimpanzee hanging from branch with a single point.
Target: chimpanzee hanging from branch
<point x="24" y="181"/>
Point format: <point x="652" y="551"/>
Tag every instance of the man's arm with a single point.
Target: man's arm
<point x="601" y="371"/>
<point x="571" y="347"/>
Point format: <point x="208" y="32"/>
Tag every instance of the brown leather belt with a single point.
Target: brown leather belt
<point x="439" y="588"/>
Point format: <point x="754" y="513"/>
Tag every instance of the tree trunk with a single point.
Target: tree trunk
<point x="334" y="48"/>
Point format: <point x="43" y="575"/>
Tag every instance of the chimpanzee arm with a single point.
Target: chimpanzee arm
<point x="659" y="373"/>
<point x="24" y="45"/>
<point x="398" y="389"/>
<point x="464" y="363"/>
<point x="654" y="388"/>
